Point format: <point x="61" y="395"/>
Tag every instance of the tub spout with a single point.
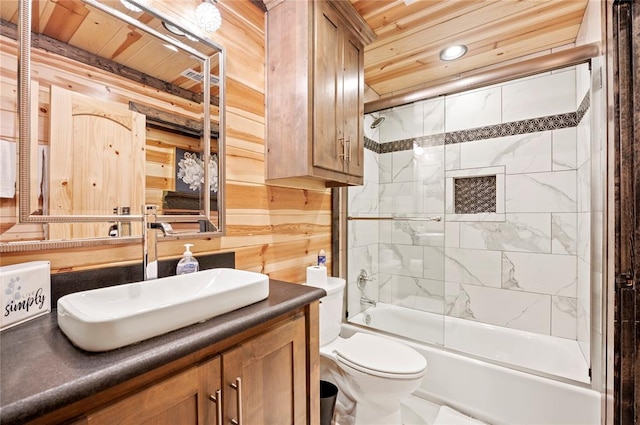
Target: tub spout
<point x="366" y="302"/>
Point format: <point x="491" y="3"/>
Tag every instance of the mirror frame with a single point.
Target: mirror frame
<point x="25" y="133"/>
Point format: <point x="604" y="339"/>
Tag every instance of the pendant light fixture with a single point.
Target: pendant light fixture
<point x="208" y="16"/>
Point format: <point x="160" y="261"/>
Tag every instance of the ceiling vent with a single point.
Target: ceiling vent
<point x="194" y="75"/>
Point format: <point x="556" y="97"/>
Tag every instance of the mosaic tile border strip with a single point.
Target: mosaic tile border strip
<point x="584" y="106"/>
<point x="371" y="144"/>
<point x="533" y="125"/>
<point x="404" y="144"/>
<point x="551" y="122"/>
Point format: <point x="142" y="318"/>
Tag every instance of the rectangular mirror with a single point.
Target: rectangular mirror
<point x="113" y="114"/>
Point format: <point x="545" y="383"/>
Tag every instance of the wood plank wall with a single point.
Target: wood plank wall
<point x="273" y="230"/>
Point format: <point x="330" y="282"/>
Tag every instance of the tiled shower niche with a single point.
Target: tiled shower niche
<point x="474" y="195"/>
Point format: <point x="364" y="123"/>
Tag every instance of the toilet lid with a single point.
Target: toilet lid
<point x="380" y="356"/>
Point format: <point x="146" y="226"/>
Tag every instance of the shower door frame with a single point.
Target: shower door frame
<point x="470" y="81"/>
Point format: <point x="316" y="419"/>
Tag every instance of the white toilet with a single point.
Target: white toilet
<point x="372" y="371"/>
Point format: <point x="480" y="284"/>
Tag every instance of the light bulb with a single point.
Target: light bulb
<point x="208" y="17"/>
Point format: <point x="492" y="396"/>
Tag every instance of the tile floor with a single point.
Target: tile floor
<point x="418" y="411"/>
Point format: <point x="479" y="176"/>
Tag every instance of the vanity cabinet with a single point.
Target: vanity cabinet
<point x="260" y="380"/>
<point x="315" y="93"/>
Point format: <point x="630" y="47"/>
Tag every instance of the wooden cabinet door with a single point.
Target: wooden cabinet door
<point x="328" y="140"/>
<point x="183" y="399"/>
<point x="338" y="95"/>
<point x="264" y="379"/>
<point x="353" y="104"/>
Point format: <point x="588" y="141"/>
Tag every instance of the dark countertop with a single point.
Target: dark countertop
<point x="41" y="371"/>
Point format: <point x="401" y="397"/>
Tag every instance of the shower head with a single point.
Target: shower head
<point x="376" y="123"/>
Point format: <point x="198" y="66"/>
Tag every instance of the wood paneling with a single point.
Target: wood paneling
<point x="274" y="230"/>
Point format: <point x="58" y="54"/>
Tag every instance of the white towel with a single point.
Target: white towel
<point x="8" y="162"/>
<point x="448" y="416"/>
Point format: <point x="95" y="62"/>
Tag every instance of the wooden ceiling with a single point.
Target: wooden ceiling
<point x="410" y="35"/>
<point x="404" y="56"/>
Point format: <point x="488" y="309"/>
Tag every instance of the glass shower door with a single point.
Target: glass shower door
<point x="396" y="226"/>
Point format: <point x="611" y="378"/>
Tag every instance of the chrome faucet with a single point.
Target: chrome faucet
<point x="150" y="241"/>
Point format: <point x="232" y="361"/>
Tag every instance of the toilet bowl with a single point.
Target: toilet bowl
<point x="372" y="372"/>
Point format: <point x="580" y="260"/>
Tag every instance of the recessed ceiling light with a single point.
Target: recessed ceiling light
<point x="453" y="52"/>
<point x="177" y="31"/>
<point x="132" y="7"/>
<point x="172" y="28"/>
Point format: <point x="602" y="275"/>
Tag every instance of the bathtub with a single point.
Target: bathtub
<point x="487" y="389"/>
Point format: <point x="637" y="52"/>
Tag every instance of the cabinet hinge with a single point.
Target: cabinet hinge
<point x="625" y="280"/>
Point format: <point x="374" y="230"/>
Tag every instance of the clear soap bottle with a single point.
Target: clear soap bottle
<point x="187" y="264"/>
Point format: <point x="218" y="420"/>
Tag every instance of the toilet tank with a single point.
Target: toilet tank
<point x="331" y="309"/>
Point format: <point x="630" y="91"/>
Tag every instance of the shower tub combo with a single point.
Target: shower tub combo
<point x="476" y="239"/>
<point x="469" y="372"/>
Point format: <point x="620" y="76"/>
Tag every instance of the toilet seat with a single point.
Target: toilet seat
<point x="381" y="357"/>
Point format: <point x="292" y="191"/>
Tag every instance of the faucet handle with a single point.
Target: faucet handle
<point x="363" y="278"/>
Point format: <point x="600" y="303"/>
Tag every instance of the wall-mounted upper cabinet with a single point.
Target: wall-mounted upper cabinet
<point x="315" y="93"/>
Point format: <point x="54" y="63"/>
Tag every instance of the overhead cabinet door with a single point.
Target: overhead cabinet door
<point x="328" y="128"/>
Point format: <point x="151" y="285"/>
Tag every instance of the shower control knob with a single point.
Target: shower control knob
<point x="363" y="278"/>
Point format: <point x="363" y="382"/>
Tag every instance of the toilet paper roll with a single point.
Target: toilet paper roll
<point x="317" y="275"/>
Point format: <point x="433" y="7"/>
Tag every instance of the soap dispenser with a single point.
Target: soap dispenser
<point x="187" y="264"/>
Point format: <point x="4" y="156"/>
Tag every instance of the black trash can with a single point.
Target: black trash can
<point x="328" y="396"/>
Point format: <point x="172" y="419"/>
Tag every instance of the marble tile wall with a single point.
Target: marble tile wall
<point x="528" y="267"/>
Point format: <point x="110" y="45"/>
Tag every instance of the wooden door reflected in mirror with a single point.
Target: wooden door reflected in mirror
<point x="98" y="149"/>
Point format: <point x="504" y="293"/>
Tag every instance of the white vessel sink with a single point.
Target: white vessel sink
<point x="108" y="318"/>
